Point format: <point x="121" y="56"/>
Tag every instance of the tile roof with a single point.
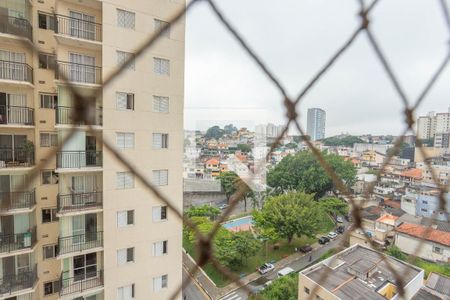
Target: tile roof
<point x="420" y="232"/>
<point x="413" y="173"/>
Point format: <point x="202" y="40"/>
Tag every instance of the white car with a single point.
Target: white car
<point x="223" y="206"/>
<point x="265" y="268"/>
<point x="332" y="235"/>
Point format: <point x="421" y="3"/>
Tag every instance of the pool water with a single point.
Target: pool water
<point x="238" y="222"/>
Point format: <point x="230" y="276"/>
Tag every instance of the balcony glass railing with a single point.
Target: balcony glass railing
<point x="16" y="115"/>
<point x="79" y="73"/>
<point x="80" y="242"/>
<point x="16" y="26"/>
<point x="79" y="201"/>
<point x="16" y="71"/>
<point x="64" y="117"/>
<point x="80" y="283"/>
<point x="17" y="241"/>
<point x="79" y="159"/>
<point x="24" y="279"/>
<point x="77" y="28"/>
<point x="18" y="157"/>
<point x="17" y="200"/>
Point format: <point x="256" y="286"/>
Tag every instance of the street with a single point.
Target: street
<point x="299" y="264"/>
<point x="192" y="291"/>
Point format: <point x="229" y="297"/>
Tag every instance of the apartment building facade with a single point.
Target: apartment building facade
<point x="85" y="228"/>
<point x="431" y="124"/>
<point x="315" y="126"/>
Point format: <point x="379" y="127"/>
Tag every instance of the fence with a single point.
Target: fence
<point x="89" y="74"/>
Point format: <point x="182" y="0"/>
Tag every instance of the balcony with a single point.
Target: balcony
<point x="14" y="283"/>
<point x="80" y="242"/>
<point x="16" y="72"/>
<point x="64" y="117"/>
<point x="16" y="26"/>
<point x="10" y="158"/>
<point x="16" y="115"/>
<point x="78" y="73"/>
<point x="10" y="201"/>
<point x="79" y="202"/>
<point x="78" y="29"/>
<point x="17" y="241"/>
<point x="81" y="283"/>
<point x="78" y="159"/>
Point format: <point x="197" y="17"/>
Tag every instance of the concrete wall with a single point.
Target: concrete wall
<point x="409" y="244"/>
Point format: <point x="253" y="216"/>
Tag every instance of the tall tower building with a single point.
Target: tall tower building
<point x="85" y="228"/>
<point x="431" y="124"/>
<point x="316" y="123"/>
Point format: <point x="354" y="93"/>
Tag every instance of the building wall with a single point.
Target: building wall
<point x="409" y="244"/>
<point x="316" y="120"/>
<point x="306" y="283"/>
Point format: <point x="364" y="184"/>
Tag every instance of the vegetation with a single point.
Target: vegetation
<point x="228" y="182"/>
<point x="203" y="211"/>
<point x="289" y="215"/>
<point x="334" y="206"/>
<point x="229" y="129"/>
<point x="291" y="146"/>
<point x="214" y="132"/>
<point x="347" y="141"/>
<point x="303" y="172"/>
<point x="395" y="251"/>
<point x="244" y="148"/>
<point x="284" y="288"/>
<point x="395" y="152"/>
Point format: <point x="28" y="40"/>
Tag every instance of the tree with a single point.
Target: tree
<point x="303" y="172"/>
<point x="214" y="132"/>
<point x="347" y="141"/>
<point x="245" y="244"/>
<point x="396" y="252"/>
<point x="229" y="129"/>
<point x="395" y="152"/>
<point x="284" y="288"/>
<point x="290" y="214"/>
<point x="334" y="206"/>
<point x="291" y="145"/>
<point x="228" y="183"/>
<point x="244" y="148"/>
<point x="203" y="211"/>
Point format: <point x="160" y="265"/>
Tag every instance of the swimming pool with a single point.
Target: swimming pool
<point x="239" y="223"/>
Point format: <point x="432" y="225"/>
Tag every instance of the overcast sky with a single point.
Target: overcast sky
<point x="295" y="38"/>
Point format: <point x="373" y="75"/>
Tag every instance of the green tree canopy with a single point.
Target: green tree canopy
<point x="347" y="141"/>
<point x="333" y="206"/>
<point x="228" y="181"/>
<point x="229" y="129"/>
<point x="290" y="214"/>
<point x="291" y="145"/>
<point x="303" y="172"/>
<point x="395" y="251"/>
<point x="203" y="211"/>
<point x="214" y="132"/>
<point x="284" y="288"/>
<point x="244" y="148"/>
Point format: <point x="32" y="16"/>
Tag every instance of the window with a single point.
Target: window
<point x="306" y="290"/>
<point x="126" y="292"/>
<point x="159" y="24"/>
<point x="122" y="57"/>
<point x="46" y="61"/>
<point x="125" y="255"/>
<point x="125" y="19"/>
<point x="160" y="248"/>
<point x="124" y="101"/>
<point x="49" y="100"/>
<point x="161" y="66"/>
<point x="48" y="139"/>
<point x="159" y="283"/>
<point x="160" y="140"/>
<point x="125" y="180"/>
<point x="46" y="21"/>
<point x="49" y="177"/>
<point x="423" y="209"/>
<point x="49" y="215"/>
<point x="51" y="287"/>
<point x="159" y="213"/>
<point x="50" y="251"/>
<point x="424" y="202"/>
<point x="125" y="140"/>
<point x="438" y="250"/>
<point x="160" y="104"/>
<point x="160" y="177"/>
<point x="125" y="218"/>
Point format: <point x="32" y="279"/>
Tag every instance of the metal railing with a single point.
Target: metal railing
<point x="17" y="241"/>
<point x="81" y="283"/>
<point x="79" y="201"/>
<point x="17" y="71"/>
<point x="16" y="115"/>
<point x="64" y="116"/>
<point x="79" y="159"/>
<point x="17" y="200"/>
<point x="16" y="158"/>
<point x="80" y="242"/>
<point x="24" y="279"/>
<point x="16" y="26"/>
<point x="78" y="28"/>
<point x="78" y="73"/>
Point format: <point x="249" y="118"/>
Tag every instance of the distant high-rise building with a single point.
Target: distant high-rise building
<point x="316" y="123"/>
<point x="429" y="125"/>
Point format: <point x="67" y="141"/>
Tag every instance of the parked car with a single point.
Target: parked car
<point x="323" y="240"/>
<point x="332" y="235"/>
<point x="340" y="229"/>
<point x="339" y="220"/>
<point x="285" y="271"/>
<point x="223" y="206"/>
<point x="265" y="268"/>
<point x="306" y="249"/>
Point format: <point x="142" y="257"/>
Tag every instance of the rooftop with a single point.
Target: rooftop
<point x="412" y="173"/>
<point x="425" y="233"/>
<point x="387" y="219"/>
<point x="438" y="283"/>
<point x="359" y="271"/>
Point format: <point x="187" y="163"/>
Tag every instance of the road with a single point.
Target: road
<point x="299" y="264"/>
<point x="192" y="291"/>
